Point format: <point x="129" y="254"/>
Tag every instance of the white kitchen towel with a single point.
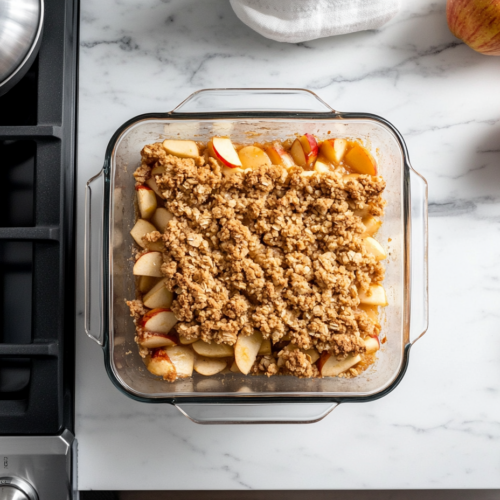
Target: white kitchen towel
<point x="295" y="21"/>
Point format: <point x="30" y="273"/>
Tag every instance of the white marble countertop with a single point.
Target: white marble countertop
<point x="441" y="427"/>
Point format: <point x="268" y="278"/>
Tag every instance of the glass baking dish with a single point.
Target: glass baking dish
<point x="247" y="115"/>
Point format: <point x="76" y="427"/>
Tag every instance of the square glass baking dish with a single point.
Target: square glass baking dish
<point x="247" y="115"/>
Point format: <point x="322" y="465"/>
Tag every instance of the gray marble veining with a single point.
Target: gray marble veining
<point x="441" y="427"/>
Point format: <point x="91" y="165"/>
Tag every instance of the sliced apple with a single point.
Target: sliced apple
<point x="375" y="248"/>
<point x="158" y="296"/>
<point x="313" y="354"/>
<point x="152" y="340"/>
<point x="225" y="152"/>
<point x="278" y="155"/>
<point x="161" y="218"/>
<point x="372" y="345"/>
<point x="183" y="360"/>
<point x="371" y="311"/>
<point x="234" y="368"/>
<point x="160" y="364"/>
<point x="253" y="157"/>
<point x="298" y="155"/>
<point x="360" y="160"/>
<point x="330" y="366"/>
<point x="334" y="150"/>
<point x="141" y="228"/>
<point x="182" y="149"/>
<point x="213" y="350"/>
<point x="158" y="320"/>
<point x="374" y="297"/>
<point x="372" y="225"/>
<point x="209" y="366"/>
<point x="246" y="350"/>
<point x="184" y="341"/>
<point x="151" y="182"/>
<point x="146" y="283"/>
<point x="149" y="264"/>
<point x="155" y="246"/>
<point x="265" y="348"/>
<point x="321" y="166"/>
<point x="304" y="150"/>
<point x="146" y="199"/>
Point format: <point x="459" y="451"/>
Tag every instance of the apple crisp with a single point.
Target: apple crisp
<point x="258" y="259"/>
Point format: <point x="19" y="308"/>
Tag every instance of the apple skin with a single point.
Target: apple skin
<point x="225" y="152"/>
<point x="477" y="23"/>
<point x="279" y="156"/>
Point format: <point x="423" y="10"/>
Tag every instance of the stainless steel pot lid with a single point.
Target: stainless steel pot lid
<point x="20" y="29"/>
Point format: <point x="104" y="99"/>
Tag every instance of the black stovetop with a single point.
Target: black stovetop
<point x="37" y="156"/>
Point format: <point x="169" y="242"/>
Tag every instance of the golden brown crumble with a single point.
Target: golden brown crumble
<point x="268" y="249"/>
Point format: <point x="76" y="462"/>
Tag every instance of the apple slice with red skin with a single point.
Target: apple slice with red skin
<point x="152" y="340"/>
<point x="213" y="350"/>
<point x="140" y="229"/>
<point x="358" y="159"/>
<point x="209" y="366"/>
<point x="158" y="320"/>
<point x="158" y="296"/>
<point x="372" y="344"/>
<point x="225" y="152"/>
<point x="305" y="150"/>
<point x="160" y="364"/>
<point x="334" y="150"/>
<point x="161" y="218"/>
<point x="253" y="157"/>
<point x="182" y="358"/>
<point x="149" y="264"/>
<point x="246" y="350"/>
<point x="146" y="200"/>
<point x="278" y="155"/>
<point x="330" y="366"/>
<point x="182" y="149"/>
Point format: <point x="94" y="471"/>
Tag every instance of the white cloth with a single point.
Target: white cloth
<point x="295" y="21"/>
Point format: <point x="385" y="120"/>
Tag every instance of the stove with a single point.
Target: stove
<point x="37" y="157"/>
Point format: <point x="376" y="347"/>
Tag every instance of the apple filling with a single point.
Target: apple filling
<point x="258" y="258"/>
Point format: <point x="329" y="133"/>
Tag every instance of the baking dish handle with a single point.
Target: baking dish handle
<point x="253" y="100"/>
<point x="93" y="258"/>
<point x="419" y="316"/>
<point x="255" y="413"/>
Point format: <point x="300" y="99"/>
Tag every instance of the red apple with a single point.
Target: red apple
<point x="160" y="364"/>
<point x="225" y="152"/>
<point x="158" y="320"/>
<point x="477" y="23"/>
<point x="304" y="150"/>
<point x="372" y="344"/>
<point x="152" y="340"/>
<point x="278" y="155"/>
